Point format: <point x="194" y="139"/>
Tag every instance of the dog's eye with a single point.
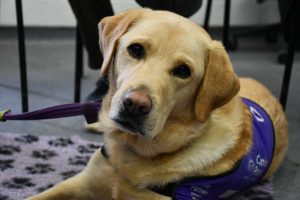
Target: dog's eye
<point x="182" y="71"/>
<point x="136" y="50"/>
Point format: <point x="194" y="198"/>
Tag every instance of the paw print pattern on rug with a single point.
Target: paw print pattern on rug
<point x="90" y="148"/>
<point x="6" y="164"/>
<point x="2" y="197"/>
<point x="61" y="142"/>
<point x="68" y="174"/>
<point x="42" y="189"/>
<point x="9" y="149"/>
<point x="39" y="168"/>
<point x="27" y="139"/>
<point x="18" y="183"/>
<point x="79" y="160"/>
<point x="43" y="154"/>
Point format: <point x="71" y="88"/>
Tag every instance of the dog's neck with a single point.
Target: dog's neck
<point x="242" y="142"/>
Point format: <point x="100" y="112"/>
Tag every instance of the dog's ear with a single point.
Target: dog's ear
<point x="110" y="30"/>
<point x="219" y="84"/>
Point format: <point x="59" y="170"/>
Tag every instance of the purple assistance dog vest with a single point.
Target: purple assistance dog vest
<point x="249" y="172"/>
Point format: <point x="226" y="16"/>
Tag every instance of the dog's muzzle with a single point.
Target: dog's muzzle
<point x="136" y="105"/>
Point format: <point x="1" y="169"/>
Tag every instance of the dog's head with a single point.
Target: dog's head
<point x="163" y="69"/>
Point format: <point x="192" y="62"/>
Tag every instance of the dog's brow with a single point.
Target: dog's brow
<point x="144" y="40"/>
<point x="184" y="59"/>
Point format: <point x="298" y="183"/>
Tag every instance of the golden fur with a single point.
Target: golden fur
<point x="197" y="126"/>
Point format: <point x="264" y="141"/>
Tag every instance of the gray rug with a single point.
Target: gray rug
<point x="31" y="164"/>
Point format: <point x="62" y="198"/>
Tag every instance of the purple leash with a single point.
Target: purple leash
<point x="88" y="109"/>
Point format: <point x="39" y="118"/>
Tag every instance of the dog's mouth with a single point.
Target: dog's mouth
<point x="129" y="127"/>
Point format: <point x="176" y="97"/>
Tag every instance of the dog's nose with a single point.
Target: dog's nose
<point x="137" y="103"/>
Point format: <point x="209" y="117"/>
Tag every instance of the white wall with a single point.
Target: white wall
<point x="58" y="13"/>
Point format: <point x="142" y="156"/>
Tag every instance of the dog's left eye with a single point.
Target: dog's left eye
<point x="182" y="71"/>
<point x="136" y="50"/>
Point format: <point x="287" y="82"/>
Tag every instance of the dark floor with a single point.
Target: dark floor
<point x="50" y="58"/>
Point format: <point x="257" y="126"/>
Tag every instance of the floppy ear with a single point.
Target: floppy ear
<point x="110" y="30"/>
<point x="219" y="83"/>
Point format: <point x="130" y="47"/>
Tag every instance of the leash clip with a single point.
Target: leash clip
<point x="2" y="113"/>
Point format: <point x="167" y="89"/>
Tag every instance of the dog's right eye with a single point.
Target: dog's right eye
<point x="136" y="50"/>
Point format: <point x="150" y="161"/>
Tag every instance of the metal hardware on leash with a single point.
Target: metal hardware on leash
<point x="2" y="113"/>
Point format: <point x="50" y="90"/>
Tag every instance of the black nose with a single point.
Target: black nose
<point x="137" y="103"/>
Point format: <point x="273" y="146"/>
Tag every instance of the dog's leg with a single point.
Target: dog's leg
<point x="93" y="183"/>
<point x="123" y="190"/>
<point x="67" y="190"/>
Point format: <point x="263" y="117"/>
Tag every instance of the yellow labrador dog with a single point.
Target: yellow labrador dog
<point x="173" y="111"/>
